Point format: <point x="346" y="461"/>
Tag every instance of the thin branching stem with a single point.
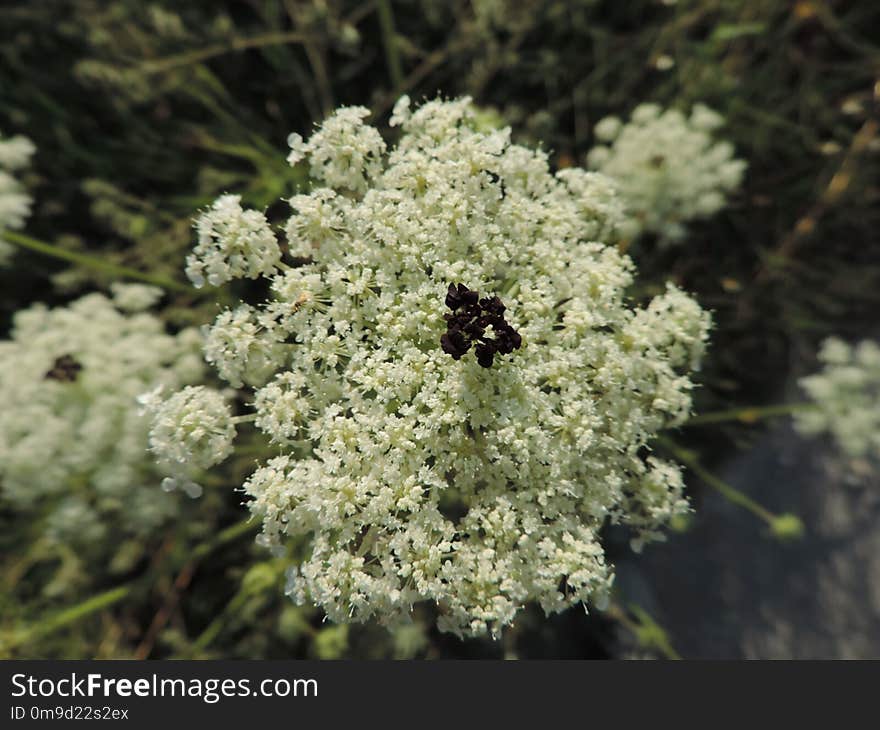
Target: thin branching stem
<point x="46" y="625"/>
<point x="91" y="262"/>
<point x="200" y="55"/>
<point x="749" y="414"/>
<point x="389" y="42"/>
<point x="644" y="628"/>
<point x="731" y="493"/>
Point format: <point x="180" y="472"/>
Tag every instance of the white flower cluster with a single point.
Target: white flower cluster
<point x="846" y="394"/>
<point x="667" y="166"/>
<point x="424" y="469"/>
<point x="191" y="430"/>
<point x="15" y="203"/>
<point x="344" y="152"/>
<point x="232" y="243"/>
<point x="72" y="441"/>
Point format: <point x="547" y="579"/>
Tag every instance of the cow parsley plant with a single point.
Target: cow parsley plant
<point x="456" y="390"/>
<point x="668" y="167"/>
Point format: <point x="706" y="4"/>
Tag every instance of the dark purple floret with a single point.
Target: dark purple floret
<point x="65" y="369"/>
<point x="455" y="343"/>
<point x="460" y="296"/>
<point x="468" y="321"/>
<point x="485" y="353"/>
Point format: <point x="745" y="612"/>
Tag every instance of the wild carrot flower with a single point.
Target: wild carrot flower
<point x="72" y="441"/>
<point x="420" y="472"/>
<point x="846" y="393"/>
<point x="668" y="167"/>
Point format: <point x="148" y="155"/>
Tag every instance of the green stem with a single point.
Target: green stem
<point x="652" y="634"/>
<point x="200" y="55"/>
<point x="211" y="632"/>
<point x="67" y="616"/>
<point x="749" y="414"/>
<point x="231" y="533"/>
<point x="123" y="272"/>
<point x="248" y="418"/>
<point x="644" y="628"/>
<point x="389" y="41"/>
<point x="242" y="152"/>
<point x="731" y="493"/>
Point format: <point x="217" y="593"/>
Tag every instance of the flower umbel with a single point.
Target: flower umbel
<point x="72" y="442"/>
<point x="191" y="428"/>
<point x="232" y="243"/>
<point x="668" y="167"/>
<point x="847" y="397"/>
<point x="418" y="474"/>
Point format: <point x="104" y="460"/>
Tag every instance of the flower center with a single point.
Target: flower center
<point x="468" y="322"/>
<point x="65" y="369"/>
